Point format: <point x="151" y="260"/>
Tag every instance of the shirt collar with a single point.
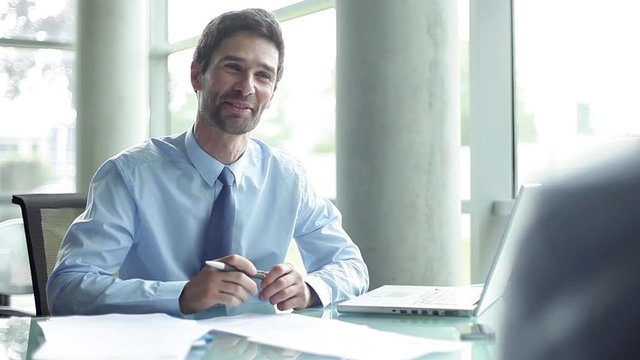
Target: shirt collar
<point x="210" y="168"/>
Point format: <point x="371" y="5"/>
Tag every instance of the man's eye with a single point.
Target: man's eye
<point x="264" y="75"/>
<point x="233" y="67"/>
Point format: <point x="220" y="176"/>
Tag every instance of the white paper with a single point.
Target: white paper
<point x="159" y="336"/>
<point x="327" y="337"/>
<point x="151" y="336"/>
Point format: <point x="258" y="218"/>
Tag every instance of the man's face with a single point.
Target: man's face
<point x="239" y="83"/>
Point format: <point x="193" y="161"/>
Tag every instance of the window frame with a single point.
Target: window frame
<point x="492" y="133"/>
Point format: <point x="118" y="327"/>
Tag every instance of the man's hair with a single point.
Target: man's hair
<point x="256" y="21"/>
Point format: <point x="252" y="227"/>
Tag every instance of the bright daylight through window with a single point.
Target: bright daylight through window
<point x="37" y="143"/>
<point x="577" y="82"/>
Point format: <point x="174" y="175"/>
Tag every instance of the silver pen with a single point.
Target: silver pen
<point x="226" y="267"/>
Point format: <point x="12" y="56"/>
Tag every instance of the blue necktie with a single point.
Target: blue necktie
<point x="219" y="233"/>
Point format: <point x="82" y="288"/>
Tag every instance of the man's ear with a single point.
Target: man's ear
<point x="195" y="76"/>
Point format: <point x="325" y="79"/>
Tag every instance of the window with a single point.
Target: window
<point x="40" y="20"/>
<point x="463" y="45"/>
<point x="302" y="118"/>
<point x="187" y="18"/>
<point x="465" y="151"/>
<point x="37" y="142"/>
<point x="576" y="83"/>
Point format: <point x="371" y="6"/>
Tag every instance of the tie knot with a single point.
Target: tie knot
<point x="226" y="177"/>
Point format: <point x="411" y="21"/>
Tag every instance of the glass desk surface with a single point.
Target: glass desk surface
<point x="21" y="336"/>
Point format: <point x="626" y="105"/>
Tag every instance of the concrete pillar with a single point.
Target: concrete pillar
<point x="112" y="81"/>
<point x="397" y="137"/>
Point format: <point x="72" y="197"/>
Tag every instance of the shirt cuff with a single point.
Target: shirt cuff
<point x="168" y="296"/>
<point x="321" y="288"/>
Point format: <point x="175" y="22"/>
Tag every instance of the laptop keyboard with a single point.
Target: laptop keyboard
<point x="447" y="296"/>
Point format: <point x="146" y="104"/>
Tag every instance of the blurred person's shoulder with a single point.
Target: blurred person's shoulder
<point x="575" y="268"/>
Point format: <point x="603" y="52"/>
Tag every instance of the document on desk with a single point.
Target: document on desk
<point x="118" y="336"/>
<point x="159" y="336"/>
<point x="328" y="337"/>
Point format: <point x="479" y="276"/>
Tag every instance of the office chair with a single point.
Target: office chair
<point x="46" y="220"/>
<point x="15" y="277"/>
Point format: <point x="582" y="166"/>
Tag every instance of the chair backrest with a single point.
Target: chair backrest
<point x="46" y="219"/>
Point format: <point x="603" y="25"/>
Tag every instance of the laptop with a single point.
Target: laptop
<point x="462" y="301"/>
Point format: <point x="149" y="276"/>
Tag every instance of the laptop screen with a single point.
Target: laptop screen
<point x="502" y="265"/>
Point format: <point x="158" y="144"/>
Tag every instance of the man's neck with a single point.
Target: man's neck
<point x="224" y="147"/>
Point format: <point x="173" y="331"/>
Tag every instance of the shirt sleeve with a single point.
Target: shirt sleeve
<point x="84" y="280"/>
<point x="335" y="268"/>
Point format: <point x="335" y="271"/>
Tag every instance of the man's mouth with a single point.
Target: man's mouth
<point x="238" y="106"/>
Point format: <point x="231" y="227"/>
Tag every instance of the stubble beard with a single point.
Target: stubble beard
<point x="230" y="125"/>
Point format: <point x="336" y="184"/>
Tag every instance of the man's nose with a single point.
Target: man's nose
<point x="245" y="84"/>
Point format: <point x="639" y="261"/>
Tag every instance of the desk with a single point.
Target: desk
<point x="19" y="337"/>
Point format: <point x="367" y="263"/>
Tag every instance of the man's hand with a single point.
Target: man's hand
<point x="285" y="287"/>
<point x="211" y="286"/>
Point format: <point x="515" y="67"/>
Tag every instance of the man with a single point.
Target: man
<point x="575" y="292"/>
<point x="148" y="208"/>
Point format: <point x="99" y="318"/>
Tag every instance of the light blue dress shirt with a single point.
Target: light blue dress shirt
<point x="147" y="211"/>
